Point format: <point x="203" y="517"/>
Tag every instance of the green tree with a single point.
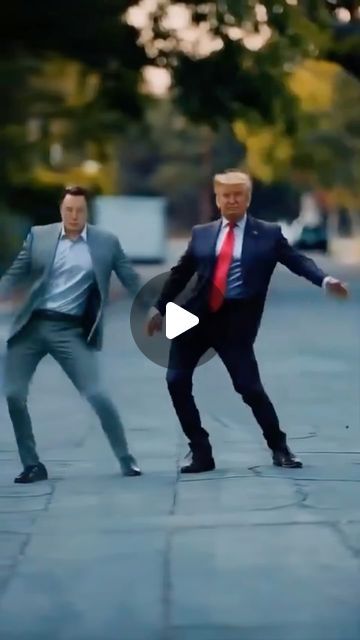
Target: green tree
<point x="243" y="52"/>
<point x="324" y="153"/>
<point x="72" y="75"/>
<point x="41" y="44"/>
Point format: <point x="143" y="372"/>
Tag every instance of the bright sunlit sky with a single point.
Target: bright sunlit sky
<point x="196" y="40"/>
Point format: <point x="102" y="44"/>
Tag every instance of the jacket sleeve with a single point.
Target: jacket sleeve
<point x="179" y="276"/>
<point x="19" y="271"/>
<point x="125" y="271"/>
<point x="297" y="262"/>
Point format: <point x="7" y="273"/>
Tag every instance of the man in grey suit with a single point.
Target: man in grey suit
<point x="66" y="267"/>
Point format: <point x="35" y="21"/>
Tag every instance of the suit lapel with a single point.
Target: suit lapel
<point x="95" y="252"/>
<point x="50" y="247"/>
<point x="211" y="240"/>
<point x="251" y="238"/>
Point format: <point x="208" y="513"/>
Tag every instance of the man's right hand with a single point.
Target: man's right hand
<point x="155" y="322"/>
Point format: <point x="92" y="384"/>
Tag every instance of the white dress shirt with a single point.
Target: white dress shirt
<point x="239" y="236"/>
<point x="71" y="276"/>
<point x="234" y="288"/>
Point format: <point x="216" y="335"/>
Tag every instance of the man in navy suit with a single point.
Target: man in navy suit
<point x="234" y="259"/>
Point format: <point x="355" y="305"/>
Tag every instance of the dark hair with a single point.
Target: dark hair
<point x="75" y="190"/>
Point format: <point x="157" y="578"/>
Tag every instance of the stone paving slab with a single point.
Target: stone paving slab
<point x="268" y="574"/>
<point x="248" y="552"/>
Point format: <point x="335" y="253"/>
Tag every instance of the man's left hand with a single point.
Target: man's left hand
<point x="336" y="288"/>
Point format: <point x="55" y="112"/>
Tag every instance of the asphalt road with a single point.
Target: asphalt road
<point x="247" y="552"/>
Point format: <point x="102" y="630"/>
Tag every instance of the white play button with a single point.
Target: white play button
<point x="178" y="320"/>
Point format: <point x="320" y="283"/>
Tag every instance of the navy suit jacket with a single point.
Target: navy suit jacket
<point x="263" y="247"/>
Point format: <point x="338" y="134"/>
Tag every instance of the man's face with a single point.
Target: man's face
<point x="232" y="200"/>
<point x="74" y="213"/>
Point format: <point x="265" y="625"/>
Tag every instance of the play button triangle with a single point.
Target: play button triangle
<point x="178" y="320"/>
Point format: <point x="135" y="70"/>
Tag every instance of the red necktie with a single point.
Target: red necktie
<point x="222" y="267"/>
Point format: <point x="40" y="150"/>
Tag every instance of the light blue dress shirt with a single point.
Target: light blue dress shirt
<point x="234" y="280"/>
<point x="71" y="276"/>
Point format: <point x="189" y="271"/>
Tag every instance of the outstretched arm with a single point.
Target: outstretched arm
<point x="298" y="263"/>
<point x="179" y="276"/>
<point x="19" y="270"/>
<point x="307" y="268"/>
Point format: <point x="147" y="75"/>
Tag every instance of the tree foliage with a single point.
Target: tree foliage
<point x="252" y="48"/>
<point x="70" y="65"/>
<point x="325" y="151"/>
<point x="72" y="83"/>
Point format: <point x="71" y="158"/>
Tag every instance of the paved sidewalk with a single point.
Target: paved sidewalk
<point x="248" y="552"/>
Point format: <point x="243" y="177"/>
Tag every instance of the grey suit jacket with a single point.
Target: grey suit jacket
<point x="31" y="269"/>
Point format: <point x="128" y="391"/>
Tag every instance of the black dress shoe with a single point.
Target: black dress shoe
<point x="32" y="473"/>
<point x="198" y="465"/>
<point x="199" y="459"/>
<point x="285" y="458"/>
<point x="129" y="467"/>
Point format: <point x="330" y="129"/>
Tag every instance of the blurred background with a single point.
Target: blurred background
<point x="149" y="99"/>
<point x="142" y="102"/>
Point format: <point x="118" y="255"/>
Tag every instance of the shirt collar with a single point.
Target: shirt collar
<point x="83" y="234"/>
<point x="240" y="224"/>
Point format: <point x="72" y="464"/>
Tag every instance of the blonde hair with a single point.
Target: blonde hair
<point x="232" y="176"/>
